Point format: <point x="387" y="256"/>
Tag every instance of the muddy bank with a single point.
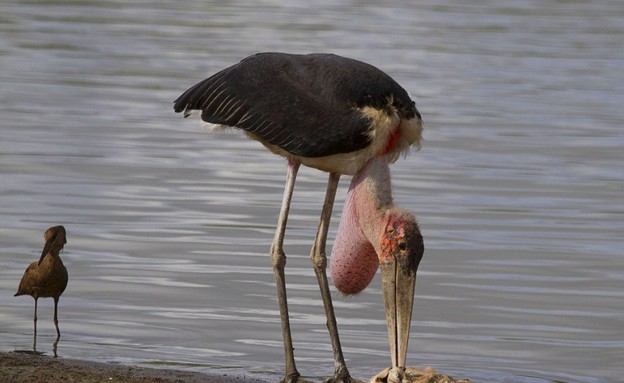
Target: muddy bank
<point x="23" y="367"/>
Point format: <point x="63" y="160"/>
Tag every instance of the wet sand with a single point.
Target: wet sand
<point x="23" y="367"/>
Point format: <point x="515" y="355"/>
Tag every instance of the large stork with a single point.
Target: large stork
<point x="341" y="116"/>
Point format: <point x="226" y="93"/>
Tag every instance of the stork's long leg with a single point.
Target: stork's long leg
<point x="278" y="258"/>
<point x="319" y="261"/>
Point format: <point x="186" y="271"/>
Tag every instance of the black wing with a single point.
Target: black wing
<point x="305" y="104"/>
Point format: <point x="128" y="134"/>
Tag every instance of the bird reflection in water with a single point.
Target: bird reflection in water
<point x="47" y="278"/>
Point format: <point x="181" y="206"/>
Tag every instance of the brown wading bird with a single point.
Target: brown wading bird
<point x="46" y="278"/>
<point x="341" y="116"/>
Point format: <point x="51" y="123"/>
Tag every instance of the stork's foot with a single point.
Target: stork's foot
<point x="341" y="375"/>
<point x="342" y="379"/>
<point x="413" y="375"/>
<point x="294" y="378"/>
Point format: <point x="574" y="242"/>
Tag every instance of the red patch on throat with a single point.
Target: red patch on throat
<point x="393" y="138"/>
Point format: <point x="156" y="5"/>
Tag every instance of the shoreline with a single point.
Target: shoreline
<point x="29" y="367"/>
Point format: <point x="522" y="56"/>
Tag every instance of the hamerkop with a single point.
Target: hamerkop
<point x="46" y="278"/>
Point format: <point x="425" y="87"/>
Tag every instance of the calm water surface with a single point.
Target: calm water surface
<point x="519" y="187"/>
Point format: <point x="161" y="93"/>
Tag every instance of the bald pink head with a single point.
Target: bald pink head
<point x="401" y="239"/>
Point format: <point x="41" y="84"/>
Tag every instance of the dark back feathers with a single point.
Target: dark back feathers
<point x="306" y="104"/>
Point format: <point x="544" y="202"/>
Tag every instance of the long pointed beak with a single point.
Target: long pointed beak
<point x="398" y="280"/>
<point x="46" y="248"/>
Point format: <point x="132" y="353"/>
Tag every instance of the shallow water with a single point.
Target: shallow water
<point x="518" y="189"/>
